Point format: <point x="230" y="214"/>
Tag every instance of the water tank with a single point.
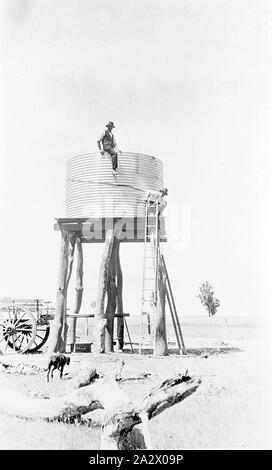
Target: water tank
<point x="93" y="191"/>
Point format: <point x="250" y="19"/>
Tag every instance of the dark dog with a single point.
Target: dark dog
<point x="57" y="361"/>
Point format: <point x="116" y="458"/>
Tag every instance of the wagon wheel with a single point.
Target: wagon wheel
<point x="17" y="329"/>
<point x="41" y="337"/>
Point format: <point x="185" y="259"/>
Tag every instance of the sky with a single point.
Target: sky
<point x="186" y="80"/>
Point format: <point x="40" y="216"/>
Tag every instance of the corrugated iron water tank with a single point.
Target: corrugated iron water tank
<point x="93" y="191"/>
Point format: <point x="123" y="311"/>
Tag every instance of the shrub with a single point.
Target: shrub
<point x="206" y="295"/>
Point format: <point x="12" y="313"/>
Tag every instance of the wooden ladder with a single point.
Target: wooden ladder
<point x="150" y="270"/>
<point x="152" y="260"/>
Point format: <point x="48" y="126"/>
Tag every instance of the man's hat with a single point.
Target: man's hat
<point x="110" y="124"/>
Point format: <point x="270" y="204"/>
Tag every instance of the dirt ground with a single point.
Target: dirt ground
<point x="231" y="409"/>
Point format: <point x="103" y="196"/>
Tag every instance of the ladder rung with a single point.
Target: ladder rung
<point x="147" y="255"/>
<point x="152" y="241"/>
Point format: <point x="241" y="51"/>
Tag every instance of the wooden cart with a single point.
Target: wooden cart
<point x="24" y="324"/>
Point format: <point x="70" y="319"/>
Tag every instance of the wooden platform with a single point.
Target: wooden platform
<point x="93" y="230"/>
<point x="92" y="315"/>
<point x="85" y="345"/>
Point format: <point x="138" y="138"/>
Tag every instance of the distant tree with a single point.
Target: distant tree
<point x="206" y="295"/>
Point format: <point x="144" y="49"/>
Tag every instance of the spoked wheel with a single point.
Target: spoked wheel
<point x="41" y="337"/>
<point x="17" y="329"/>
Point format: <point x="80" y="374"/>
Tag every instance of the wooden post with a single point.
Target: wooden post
<point x="120" y="320"/>
<point x="57" y="339"/>
<point x="71" y="322"/>
<point x="160" y="343"/>
<point x="100" y="321"/>
<point x="111" y="298"/>
<point x="71" y="251"/>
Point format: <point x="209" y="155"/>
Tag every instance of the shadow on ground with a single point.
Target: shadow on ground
<point x="198" y="352"/>
<point x="211" y="351"/>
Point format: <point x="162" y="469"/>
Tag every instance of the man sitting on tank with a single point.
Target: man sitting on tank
<point x="109" y="146"/>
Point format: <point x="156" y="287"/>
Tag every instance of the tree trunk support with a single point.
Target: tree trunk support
<point x="111" y="298"/>
<point x="71" y="322"/>
<point x="120" y="320"/>
<point x="104" y="321"/>
<point x="100" y="321"/>
<point x="58" y="330"/>
<point x="160" y="338"/>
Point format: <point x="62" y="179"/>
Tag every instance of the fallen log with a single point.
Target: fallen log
<point x="117" y="430"/>
<point x="120" y="415"/>
<point x="75" y="403"/>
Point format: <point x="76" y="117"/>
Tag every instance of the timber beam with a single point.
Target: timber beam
<point x="93" y="230"/>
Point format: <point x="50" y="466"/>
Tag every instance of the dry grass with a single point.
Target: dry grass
<point x="23" y="434"/>
<point x="231" y="409"/>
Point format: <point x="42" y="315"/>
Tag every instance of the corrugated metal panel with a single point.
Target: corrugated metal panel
<point x="92" y="190"/>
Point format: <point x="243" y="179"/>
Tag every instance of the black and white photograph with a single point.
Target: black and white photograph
<point x="136" y="227"/>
